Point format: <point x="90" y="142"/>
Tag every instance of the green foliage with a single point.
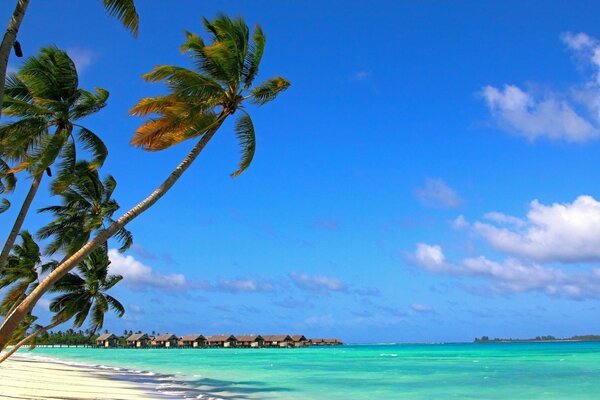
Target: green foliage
<point x="125" y="11"/>
<point x="21" y="273"/>
<point x="45" y="101"/>
<point x="200" y="100"/>
<point x="86" y="207"/>
<point x="83" y="294"/>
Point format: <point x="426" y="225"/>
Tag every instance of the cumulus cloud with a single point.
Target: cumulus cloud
<point x="572" y="116"/>
<point x="139" y="276"/>
<point x="318" y="284"/>
<point x="550" y="117"/>
<point x="559" y="232"/>
<point x="430" y="257"/>
<point x="437" y="194"/>
<point x="512" y="275"/>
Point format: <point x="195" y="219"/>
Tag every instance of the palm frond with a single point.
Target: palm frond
<point x="269" y="90"/>
<point x="244" y="129"/>
<point x="124" y="11"/>
<point x="95" y="145"/>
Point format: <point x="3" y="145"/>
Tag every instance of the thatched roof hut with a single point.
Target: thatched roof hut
<point x="193" y="340"/>
<point x="299" y="340"/>
<point x="138" y="340"/>
<point x="277" y="340"/>
<point x="325" y="342"/>
<point x="249" y="340"/>
<point x="221" y="341"/>
<point x="165" y="340"/>
<point x="107" y="340"/>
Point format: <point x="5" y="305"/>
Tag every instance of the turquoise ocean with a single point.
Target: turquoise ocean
<point x="565" y="370"/>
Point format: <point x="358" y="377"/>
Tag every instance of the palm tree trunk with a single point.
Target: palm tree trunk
<point x="8" y="41"/>
<point x="12" y="237"/>
<point x="11" y="321"/>
<point x="28" y="339"/>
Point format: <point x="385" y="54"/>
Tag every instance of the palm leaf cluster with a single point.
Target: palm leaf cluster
<point x="84" y="294"/>
<point x="216" y="88"/>
<point x="22" y="270"/>
<point x="46" y="102"/>
<point x="87" y="207"/>
<point x="124" y="11"/>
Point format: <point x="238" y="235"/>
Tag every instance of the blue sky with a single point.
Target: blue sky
<point x="431" y="174"/>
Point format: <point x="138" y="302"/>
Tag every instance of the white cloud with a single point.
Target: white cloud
<point x="430" y="257"/>
<point x="437" y="194"/>
<point x="514" y="276"/>
<point x="567" y="233"/>
<point x="139" y="276"/>
<point x="240" y="286"/>
<point x="318" y="283"/>
<point x="82" y="57"/>
<point x="421" y="308"/>
<point x="532" y="118"/>
<point x="573" y="116"/>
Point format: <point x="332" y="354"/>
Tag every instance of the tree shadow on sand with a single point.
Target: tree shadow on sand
<point x="166" y="386"/>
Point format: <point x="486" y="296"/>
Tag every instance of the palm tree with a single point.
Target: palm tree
<point x="22" y="270"/>
<point x="45" y="97"/>
<point x="9" y="39"/>
<point x="124" y="10"/>
<point x="87" y="206"/>
<point x="83" y="297"/>
<point x="196" y="107"/>
<point x="20" y="276"/>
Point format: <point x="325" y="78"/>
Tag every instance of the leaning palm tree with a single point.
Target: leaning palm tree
<point x="83" y="297"/>
<point x="198" y="103"/>
<point x="124" y="10"/>
<point x="47" y="102"/>
<point x="87" y="207"/>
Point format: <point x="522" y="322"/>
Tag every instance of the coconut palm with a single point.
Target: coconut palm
<point x="83" y="296"/>
<point x="87" y="207"/>
<point x="22" y="271"/>
<point x="198" y="103"/>
<point x="45" y="98"/>
<point x="124" y="10"/>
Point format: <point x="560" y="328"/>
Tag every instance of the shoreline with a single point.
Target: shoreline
<point x="25" y="377"/>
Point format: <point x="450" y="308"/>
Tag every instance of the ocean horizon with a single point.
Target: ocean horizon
<point x="525" y="370"/>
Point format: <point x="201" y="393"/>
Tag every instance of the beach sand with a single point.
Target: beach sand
<point x="22" y="378"/>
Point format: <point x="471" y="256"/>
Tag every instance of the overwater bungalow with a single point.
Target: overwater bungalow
<point x="277" y="340"/>
<point x="164" y="340"/>
<point x="325" y="342"/>
<point x="221" y="341"/>
<point x="107" y="340"/>
<point x="194" y="340"/>
<point x="299" y="341"/>
<point x="249" y="341"/>
<point x="138" y="340"/>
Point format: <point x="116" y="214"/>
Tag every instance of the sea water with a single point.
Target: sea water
<point x="564" y="370"/>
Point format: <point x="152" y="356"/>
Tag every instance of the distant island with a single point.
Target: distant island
<point x="549" y="338"/>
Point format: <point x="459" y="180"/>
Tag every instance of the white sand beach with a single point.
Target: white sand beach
<point x="23" y="378"/>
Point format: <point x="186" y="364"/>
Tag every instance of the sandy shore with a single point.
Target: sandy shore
<point x="22" y="378"/>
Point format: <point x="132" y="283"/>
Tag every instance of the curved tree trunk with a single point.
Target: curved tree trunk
<point x="8" y="41"/>
<point x="28" y="339"/>
<point x="12" y="237"/>
<point x="12" y="320"/>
